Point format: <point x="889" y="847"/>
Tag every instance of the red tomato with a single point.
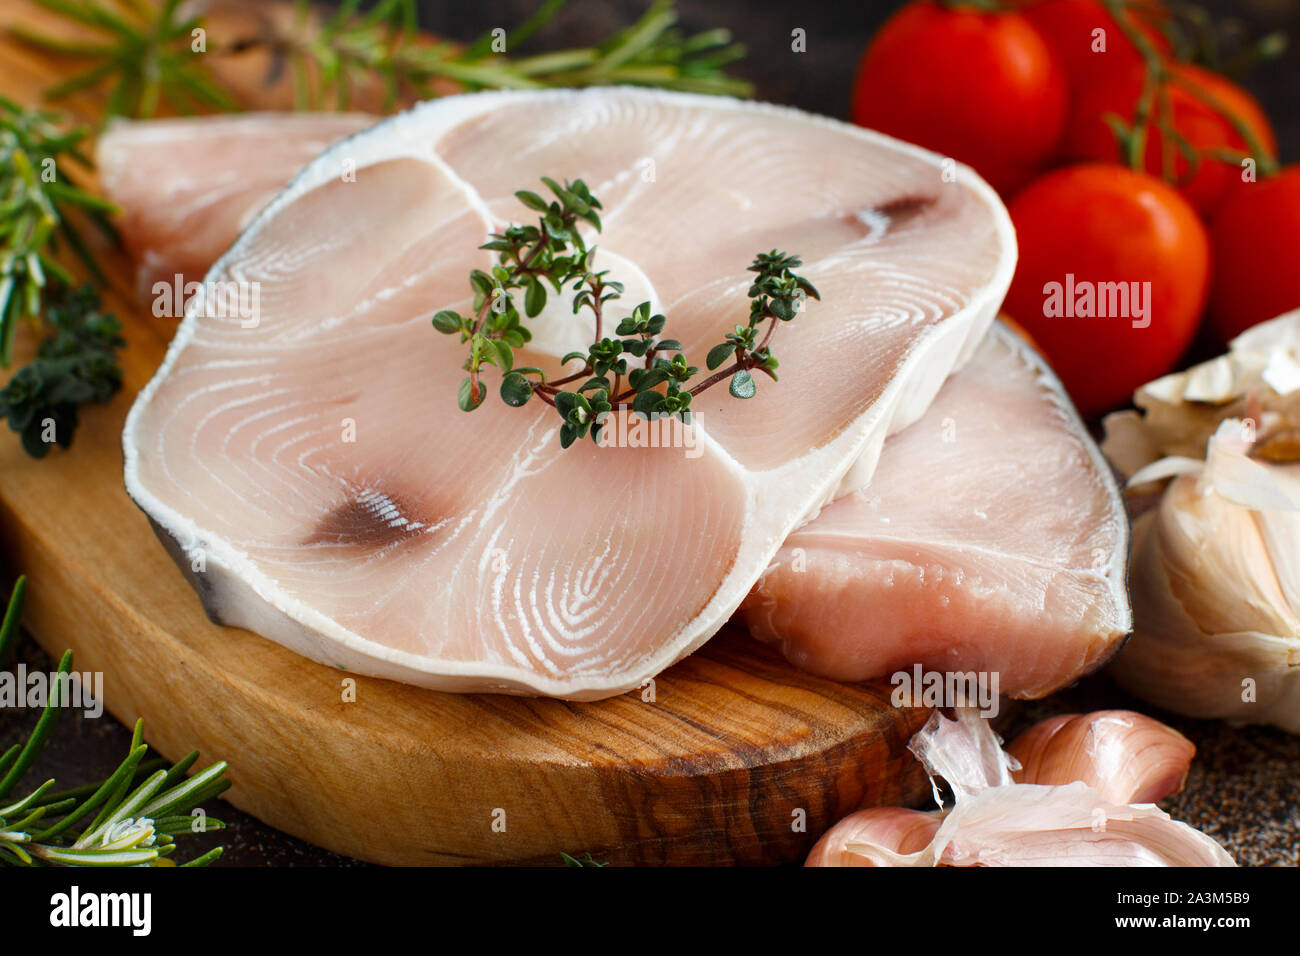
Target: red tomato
<point x="1202" y="125"/>
<point x="981" y="88"/>
<point x="1112" y="277"/>
<point x="1070" y="28"/>
<point x="1256" y="236"/>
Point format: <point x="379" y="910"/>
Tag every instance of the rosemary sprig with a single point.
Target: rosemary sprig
<point x="147" y="55"/>
<point x="554" y="253"/>
<point x="74" y="366"/>
<point x="35" y="199"/>
<point x="131" y="818"/>
<point x="385" y="43"/>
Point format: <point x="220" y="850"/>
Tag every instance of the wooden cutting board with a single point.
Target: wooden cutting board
<point x="739" y="758"/>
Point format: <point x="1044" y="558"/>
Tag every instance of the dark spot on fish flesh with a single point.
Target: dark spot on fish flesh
<point x="344" y="400"/>
<point x="368" y="518"/>
<point x="901" y="210"/>
<point x="891" y="215"/>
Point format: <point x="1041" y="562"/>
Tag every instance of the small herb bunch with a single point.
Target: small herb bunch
<point x="76" y="364"/>
<point x="133" y="816"/>
<point x="35" y="199"/>
<point x="616" y="373"/>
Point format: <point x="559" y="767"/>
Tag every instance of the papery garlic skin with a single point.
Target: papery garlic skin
<point x="1215" y="584"/>
<point x="998" y="822"/>
<point x="1125" y="756"/>
<point x="1029" y="825"/>
<point x="1180" y="412"/>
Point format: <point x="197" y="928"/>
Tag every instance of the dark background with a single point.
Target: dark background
<point x="1242" y="786"/>
<point x="821" y="79"/>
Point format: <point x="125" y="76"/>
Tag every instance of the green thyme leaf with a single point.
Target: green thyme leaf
<point x="533" y="201"/>
<point x="447" y="321"/>
<point x="742" y="385"/>
<point x="719" y="354"/>
<point x="470" y="397"/>
<point x="515" y="390"/>
<point x="534" y="298"/>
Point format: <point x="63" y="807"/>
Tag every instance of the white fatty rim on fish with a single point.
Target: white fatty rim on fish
<point x="249" y="597"/>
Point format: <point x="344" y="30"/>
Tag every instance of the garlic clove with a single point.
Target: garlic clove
<point x="1071" y="825"/>
<point x="998" y="822"/>
<point x="1125" y="756"/>
<point x="891" y="828"/>
<point x="1216" y="562"/>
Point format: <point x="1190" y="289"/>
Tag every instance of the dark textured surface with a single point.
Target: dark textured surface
<point x="821" y="78"/>
<point x="1242" y="785"/>
<point x="84" y="749"/>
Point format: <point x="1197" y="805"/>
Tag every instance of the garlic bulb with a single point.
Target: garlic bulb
<point x="1125" y="756"/>
<point x="996" y="821"/>
<point x="1215" y="573"/>
<point x="1215" y="585"/>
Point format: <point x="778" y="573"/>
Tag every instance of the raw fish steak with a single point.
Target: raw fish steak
<point x="310" y="469"/>
<point x="992" y="538"/>
<point x="188" y="186"/>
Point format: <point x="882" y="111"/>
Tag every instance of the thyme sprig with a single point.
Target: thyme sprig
<point x="631" y="370"/>
<point x="36" y="197"/>
<point x="146" y="55"/>
<point x="131" y="818"/>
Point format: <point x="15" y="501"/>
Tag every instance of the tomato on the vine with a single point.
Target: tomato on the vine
<point x="982" y="88"/>
<point x="1255" y="236"/>
<point x="1113" y="271"/>
<point x="1086" y="39"/>
<point x="1205" y="109"/>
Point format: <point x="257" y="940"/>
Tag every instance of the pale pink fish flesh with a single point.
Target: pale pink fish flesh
<point x="467" y="552"/>
<point x="991" y="539"/>
<point x="188" y="186"/>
